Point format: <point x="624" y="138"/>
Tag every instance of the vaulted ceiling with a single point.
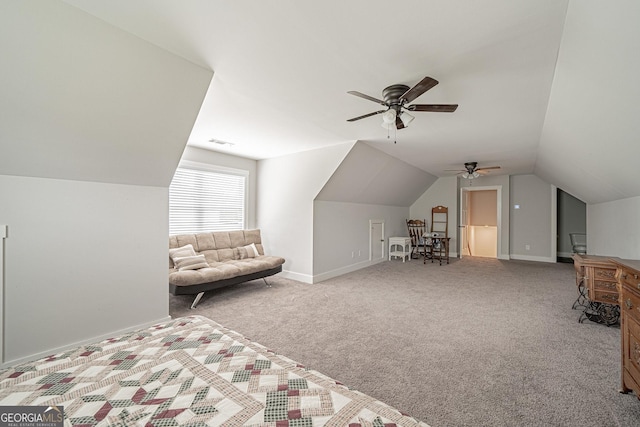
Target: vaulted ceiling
<point x="543" y="86"/>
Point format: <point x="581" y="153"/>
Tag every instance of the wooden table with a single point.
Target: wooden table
<point x="439" y="248"/>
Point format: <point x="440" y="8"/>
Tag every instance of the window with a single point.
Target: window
<point x="203" y="198"/>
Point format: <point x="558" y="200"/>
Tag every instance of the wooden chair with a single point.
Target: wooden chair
<point x="417" y="228"/>
<point x="439" y="248"/>
<point x="440" y="220"/>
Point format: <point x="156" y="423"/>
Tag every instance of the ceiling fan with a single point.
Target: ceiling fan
<point x="397" y="99"/>
<point x="471" y="170"/>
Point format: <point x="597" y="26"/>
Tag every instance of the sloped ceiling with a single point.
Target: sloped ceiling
<point x="83" y="100"/>
<point x="590" y="143"/>
<point x="283" y="69"/>
<point x="369" y="176"/>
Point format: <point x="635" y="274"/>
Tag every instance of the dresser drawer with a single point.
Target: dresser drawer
<point x="632" y="349"/>
<point x="606" y="297"/>
<point x="601" y="285"/>
<point x="630" y="305"/>
<point x="608" y="274"/>
<point x="630" y="280"/>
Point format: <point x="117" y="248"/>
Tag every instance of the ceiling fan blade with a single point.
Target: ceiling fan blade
<point x="487" y="168"/>
<point x="420" y="88"/>
<point x="366" y="115"/>
<point x="438" y="108"/>
<point x="454" y="170"/>
<point x="399" y="124"/>
<point x="370" y="98"/>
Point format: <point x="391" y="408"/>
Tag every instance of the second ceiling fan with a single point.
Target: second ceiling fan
<point x="471" y="170"/>
<point x="397" y="100"/>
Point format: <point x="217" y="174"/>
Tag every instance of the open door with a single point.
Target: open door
<point x="480" y="223"/>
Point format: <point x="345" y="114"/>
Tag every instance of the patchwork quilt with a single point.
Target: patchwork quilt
<point x="189" y="372"/>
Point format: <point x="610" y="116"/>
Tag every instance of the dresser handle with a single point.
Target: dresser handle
<point x="635" y="276"/>
<point x="628" y="304"/>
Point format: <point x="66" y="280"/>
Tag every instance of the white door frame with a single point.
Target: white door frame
<point x="498" y="189"/>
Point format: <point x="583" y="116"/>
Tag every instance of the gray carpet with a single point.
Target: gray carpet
<point x="479" y="342"/>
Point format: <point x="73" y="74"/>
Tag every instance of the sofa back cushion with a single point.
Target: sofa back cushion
<point x="218" y="246"/>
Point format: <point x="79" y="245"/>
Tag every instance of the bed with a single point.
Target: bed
<point x="189" y="371"/>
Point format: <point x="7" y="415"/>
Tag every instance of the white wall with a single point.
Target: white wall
<point x="613" y="228"/>
<point x="370" y="176"/>
<point x="84" y="100"/>
<point x="533" y="224"/>
<point x="286" y="188"/>
<point x="442" y="193"/>
<point x="82" y="260"/>
<point x="342" y="229"/>
<point x="589" y="141"/>
<point x="93" y="121"/>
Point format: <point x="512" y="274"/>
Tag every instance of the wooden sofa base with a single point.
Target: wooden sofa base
<point x="201" y="288"/>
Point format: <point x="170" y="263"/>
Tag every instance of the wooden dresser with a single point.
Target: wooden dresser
<point x="628" y="275"/>
<point x="599" y="279"/>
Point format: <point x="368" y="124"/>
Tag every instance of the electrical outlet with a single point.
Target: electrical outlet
<point x="527" y="247"/>
<point x="353" y="254"/>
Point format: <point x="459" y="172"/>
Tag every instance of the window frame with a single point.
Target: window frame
<point x="207" y="167"/>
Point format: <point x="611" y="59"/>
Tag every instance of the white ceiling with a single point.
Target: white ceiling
<point x="282" y="70"/>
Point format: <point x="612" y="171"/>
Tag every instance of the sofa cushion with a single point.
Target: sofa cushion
<point x="182" y="251"/>
<point x="179" y="252"/>
<point x="249" y="251"/>
<point x="190" y="262"/>
<point x="222" y="240"/>
<point x="226" y="254"/>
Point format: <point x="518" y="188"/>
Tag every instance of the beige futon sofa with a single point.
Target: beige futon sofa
<point x="206" y="261"/>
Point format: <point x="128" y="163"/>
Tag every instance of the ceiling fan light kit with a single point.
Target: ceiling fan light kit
<point x="389" y="117"/>
<point x="397" y="99"/>
<point x="406" y="118"/>
<point x="471" y="170"/>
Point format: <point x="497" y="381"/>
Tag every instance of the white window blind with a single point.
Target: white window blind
<point x="203" y="200"/>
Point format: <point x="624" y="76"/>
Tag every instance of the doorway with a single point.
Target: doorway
<point x="480" y="222"/>
<point x="571" y="218"/>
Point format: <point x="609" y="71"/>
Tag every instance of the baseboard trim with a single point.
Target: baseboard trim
<point x="299" y="277"/>
<point x="532" y="258"/>
<point x="93" y="340"/>
<point x="344" y="270"/>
